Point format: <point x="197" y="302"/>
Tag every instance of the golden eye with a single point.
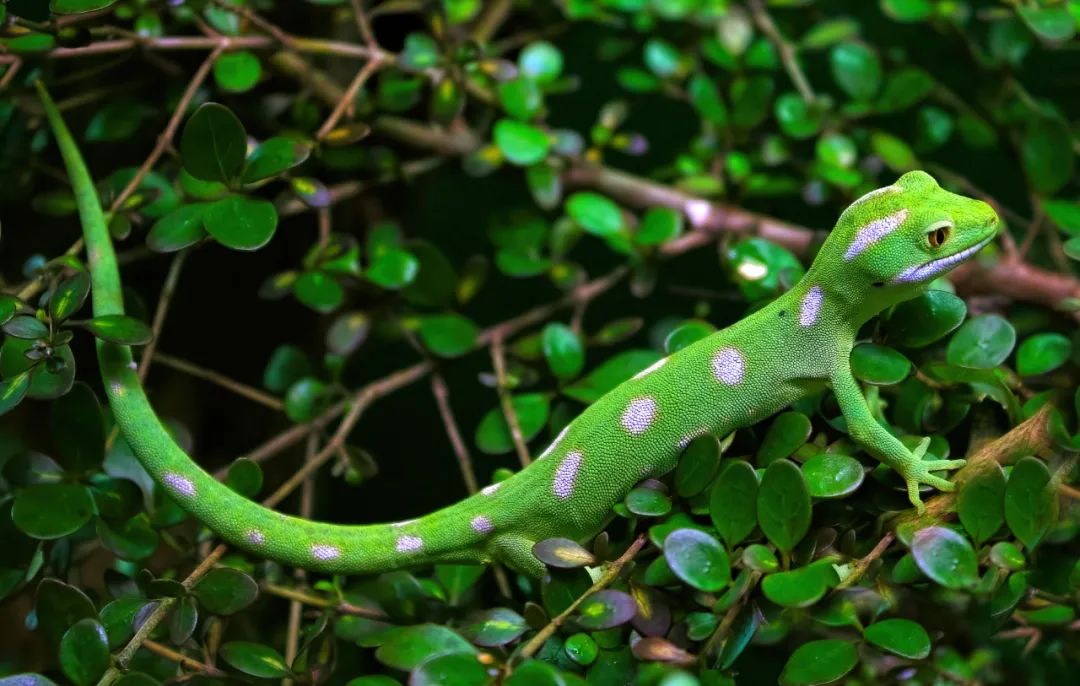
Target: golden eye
<point x="938" y="236"/>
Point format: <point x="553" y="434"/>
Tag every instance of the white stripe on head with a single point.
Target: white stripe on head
<point x="874" y="232"/>
<point x="873" y="194"/>
<point x="925" y="272"/>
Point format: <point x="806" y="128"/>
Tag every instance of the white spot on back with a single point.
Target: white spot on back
<point x="133" y="365"/>
<point x="404" y="523"/>
<point x="490" y="490"/>
<point x="117" y="388"/>
<point x="811" y="306"/>
<point x="652" y="368"/>
<point x="689" y="438"/>
<point x="321" y="551"/>
<point x="566" y="476"/>
<point x="256" y="537"/>
<point x="482" y="525"/>
<point x="181" y="485"/>
<point x="554" y="444"/>
<point x="409" y="544"/>
<point x="874" y="232"/>
<point x="728" y="366"/>
<point x="639" y="415"/>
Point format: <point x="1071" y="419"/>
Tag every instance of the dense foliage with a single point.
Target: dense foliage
<point x="410" y="240"/>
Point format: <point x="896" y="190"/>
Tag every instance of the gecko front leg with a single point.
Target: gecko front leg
<point x="876" y="440"/>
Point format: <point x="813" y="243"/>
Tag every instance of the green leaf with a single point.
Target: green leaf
<point x="26" y="327"/>
<point x="1064" y="213"/>
<point x="287" y="365"/>
<point x="304" y="399"/>
<point x="9" y="306"/>
<point x="69" y="296"/>
<point x="733" y="502"/>
<point x="783" y="505"/>
<point x="830" y="475"/>
<point x="945" y="556"/>
<point x="273" y="157"/>
<point x="901" y="637"/>
<point x="119" y="328"/>
<point x="562" y="553"/>
<point x="52" y="510"/>
<point x="610" y="374"/>
<point x="393" y="269"/>
<point x="448" y="335"/>
<point x="240" y="222"/>
<point x="856" y="69"/>
<point x="893" y="151"/>
<point x="595" y="213"/>
<point x="179" y="229"/>
<point x="541" y="61"/>
<point x="455" y="669"/>
<point x="686" y="334"/>
<point x="226" y="591"/>
<point x="58" y="606"/>
<point x="84" y="652"/>
<point x="697" y="466"/>
<point x="879" y="364"/>
<point x="980" y="503"/>
<point x="908" y="10"/>
<point x="763" y="269"/>
<point x="605" y="610"/>
<point x="420" y="52"/>
<point x="1042" y="353"/>
<point x="521" y="143"/>
<point x="319" y="291"/>
<point x="407" y="647"/>
<point x="930" y="317"/>
<point x="78" y="6"/>
<point x="495" y="627"/>
<point x="237" y="72"/>
<point x="348" y="332"/>
<point x="698" y="559"/>
<point x="78" y="429"/>
<point x="647" y="502"/>
<point x="829" y="32"/>
<point x="255" y="659"/>
<point x="659" y="225"/>
<point x="245" y="477"/>
<point x="581" y="648"/>
<point x="981" y="343"/>
<point x="563" y="351"/>
<point x="213" y="144"/>
<point x="134" y="539"/>
<point x="13" y="390"/>
<point x="796" y="117"/>
<point x="1047" y="154"/>
<point x="493" y="434"/>
<point x="662" y="58"/>
<point x="1055" y="24"/>
<point x="801" y="587"/>
<point x="46" y="382"/>
<point x="436" y="278"/>
<point x="1030" y="501"/>
<point x="819" y="662"/>
<point x="785" y="435"/>
<point x="705" y="96"/>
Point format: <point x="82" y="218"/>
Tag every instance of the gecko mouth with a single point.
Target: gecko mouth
<point x="929" y="270"/>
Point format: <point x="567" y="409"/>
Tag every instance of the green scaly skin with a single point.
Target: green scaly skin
<point x="884" y="249"/>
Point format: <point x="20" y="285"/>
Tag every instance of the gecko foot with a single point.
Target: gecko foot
<point x="917" y="472"/>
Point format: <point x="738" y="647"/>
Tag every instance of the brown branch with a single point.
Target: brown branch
<point x="498" y="360"/>
<point x="442" y="399"/>
<point x="241" y="389"/>
<point x="183" y="660"/>
<point x="348" y="98"/>
<point x="863" y="565"/>
<point x="1030" y="437"/>
<point x="610" y="573"/>
<point x="363" y="25"/>
<point x="165" y="139"/>
<point x="195" y="43"/>
<point x="788" y="56"/>
<point x="167" y="291"/>
<point x="315" y="601"/>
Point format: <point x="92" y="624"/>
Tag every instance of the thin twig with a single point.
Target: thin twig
<point x="315" y="601"/>
<point x="363" y="25"/>
<point x="167" y="291"/>
<point x="863" y="565"/>
<point x="442" y="399"/>
<point x="166" y="137"/>
<point x="183" y="660"/>
<point x="296" y="608"/>
<point x="348" y="98"/>
<point x="788" y="55"/>
<point x="241" y="389"/>
<point x="489" y="21"/>
<point x="498" y="360"/>
<point x="610" y="573"/>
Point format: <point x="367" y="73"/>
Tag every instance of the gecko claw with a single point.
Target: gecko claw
<point x="917" y="472"/>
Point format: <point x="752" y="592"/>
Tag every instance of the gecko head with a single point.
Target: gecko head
<point x="899" y="238"/>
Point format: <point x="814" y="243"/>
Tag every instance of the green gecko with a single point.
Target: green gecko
<point x="885" y="248"/>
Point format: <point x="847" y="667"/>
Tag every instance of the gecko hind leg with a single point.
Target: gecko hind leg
<point x="515" y="551"/>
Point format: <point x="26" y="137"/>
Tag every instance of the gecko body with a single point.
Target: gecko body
<point x="885" y="248"/>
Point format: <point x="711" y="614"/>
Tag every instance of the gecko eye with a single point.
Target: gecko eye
<point x="938" y="235"/>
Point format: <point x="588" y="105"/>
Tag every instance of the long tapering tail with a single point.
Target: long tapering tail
<point x="299" y="542"/>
